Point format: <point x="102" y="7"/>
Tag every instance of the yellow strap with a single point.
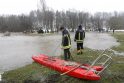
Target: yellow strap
<point x="69" y="42"/>
<point x="79" y="41"/>
<point x="79" y="36"/>
<point x="66" y="47"/>
<point x="65" y="35"/>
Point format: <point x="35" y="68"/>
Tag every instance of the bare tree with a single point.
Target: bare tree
<point x="98" y="21"/>
<point x="72" y="19"/>
<point x="58" y="20"/>
<point x="15" y="23"/>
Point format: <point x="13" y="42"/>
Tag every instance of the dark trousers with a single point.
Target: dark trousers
<point x="67" y="54"/>
<point x="79" y="46"/>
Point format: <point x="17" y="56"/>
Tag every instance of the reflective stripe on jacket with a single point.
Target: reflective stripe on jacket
<point x="79" y="36"/>
<point x="66" y="41"/>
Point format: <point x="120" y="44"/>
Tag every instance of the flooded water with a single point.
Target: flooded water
<point x="119" y="53"/>
<point x="17" y="50"/>
<point x="100" y="41"/>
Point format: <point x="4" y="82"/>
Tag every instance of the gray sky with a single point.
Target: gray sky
<point x="92" y="6"/>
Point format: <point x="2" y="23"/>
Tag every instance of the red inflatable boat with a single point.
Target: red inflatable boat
<point x="74" y="69"/>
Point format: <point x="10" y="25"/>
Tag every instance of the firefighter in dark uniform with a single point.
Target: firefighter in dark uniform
<point x="79" y="38"/>
<point x="66" y="43"/>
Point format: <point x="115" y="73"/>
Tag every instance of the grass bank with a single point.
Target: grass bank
<point x="120" y="38"/>
<point x="35" y="73"/>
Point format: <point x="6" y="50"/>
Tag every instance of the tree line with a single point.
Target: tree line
<point x="14" y="23"/>
<point x="52" y="20"/>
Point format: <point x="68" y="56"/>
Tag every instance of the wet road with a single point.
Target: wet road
<point x="16" y="51"/>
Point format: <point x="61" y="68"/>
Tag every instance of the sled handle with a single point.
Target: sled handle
<point x="71" y="69"/>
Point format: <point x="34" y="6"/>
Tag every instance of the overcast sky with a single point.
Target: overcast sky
<point x="92" y="6"/>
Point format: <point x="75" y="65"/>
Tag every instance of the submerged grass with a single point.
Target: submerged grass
<point x="35" y="73"/>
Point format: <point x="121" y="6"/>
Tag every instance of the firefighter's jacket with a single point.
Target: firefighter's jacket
<point x="66" y="40"/>
<point x="79" y="36"/>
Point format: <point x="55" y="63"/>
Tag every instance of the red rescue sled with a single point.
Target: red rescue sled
<point x="78" y="70"/>
<point x="81" y="71"/>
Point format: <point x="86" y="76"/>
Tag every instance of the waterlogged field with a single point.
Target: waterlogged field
<point x="35" y="73"/>
<point x="16" y="50"/>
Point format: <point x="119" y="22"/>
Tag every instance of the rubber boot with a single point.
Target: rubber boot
<point x="78" y="52"/>
<point x="81" y="51"/>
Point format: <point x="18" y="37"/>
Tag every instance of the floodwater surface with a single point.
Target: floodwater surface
<point x="17" y="50"/>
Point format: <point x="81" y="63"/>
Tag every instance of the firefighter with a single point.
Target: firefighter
<point x="66" y="43"/>
<point x="79" y="38"/>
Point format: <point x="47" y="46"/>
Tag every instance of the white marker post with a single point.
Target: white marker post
<point x="1" y="75"/>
